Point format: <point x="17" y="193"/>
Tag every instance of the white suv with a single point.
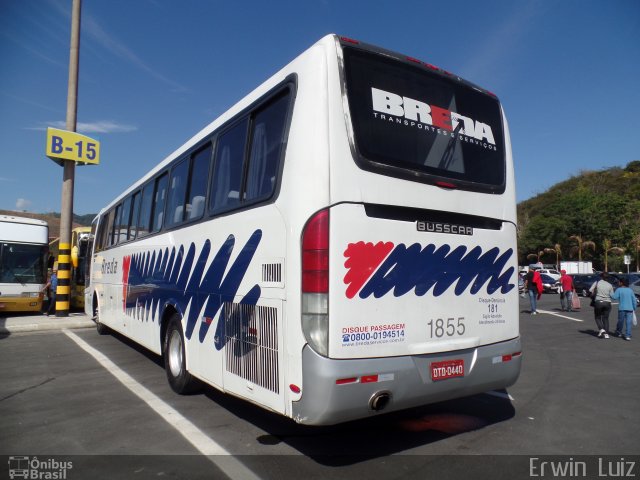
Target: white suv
<point x="551" y="272"/>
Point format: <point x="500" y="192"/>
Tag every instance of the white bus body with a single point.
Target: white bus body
<point x="364" y="261"/>
<point x="23" y="270"/>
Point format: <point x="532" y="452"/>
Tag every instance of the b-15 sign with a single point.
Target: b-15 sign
<point x="65" y="145"/>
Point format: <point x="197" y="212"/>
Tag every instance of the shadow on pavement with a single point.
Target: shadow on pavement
<point x="362" y="440"/>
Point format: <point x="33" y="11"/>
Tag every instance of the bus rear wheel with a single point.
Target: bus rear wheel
<point x="180" y="380"/>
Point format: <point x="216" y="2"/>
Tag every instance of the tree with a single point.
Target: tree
<point x="557" y="249"/>
<point x="535" y="256"/>
<point x="606" y="243"/>
<point x="635" y="243"/>
<point x="541" y="231"/>
<point x="581" y="244"/>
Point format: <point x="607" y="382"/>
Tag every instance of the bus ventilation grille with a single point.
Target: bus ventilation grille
<point x="272" y="273"/>
<point x="252" y="343"/>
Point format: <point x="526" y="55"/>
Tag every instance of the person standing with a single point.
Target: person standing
<point x="53" y="286"/>
<point x="626" y="307"/>
<point x="566" y="295"/>
<point x="601" y="292"/>
<point x="533" y="285"/>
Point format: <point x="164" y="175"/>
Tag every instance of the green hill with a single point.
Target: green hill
<point x="595" y="215"/>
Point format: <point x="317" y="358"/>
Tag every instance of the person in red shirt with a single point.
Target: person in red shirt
<point x="566" y="292"/>
<point x="533" y="284"/>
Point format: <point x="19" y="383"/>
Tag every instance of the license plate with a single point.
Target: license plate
<point x="447" y="369"/>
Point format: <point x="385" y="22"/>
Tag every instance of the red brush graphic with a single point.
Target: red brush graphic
<point x="362" y="260"/>
<point x="126" y="264"/>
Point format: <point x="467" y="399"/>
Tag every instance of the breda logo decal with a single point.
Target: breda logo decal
<point x="395" y="108"/>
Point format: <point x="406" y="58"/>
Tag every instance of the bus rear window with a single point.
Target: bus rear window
<point x="411" y="123"/>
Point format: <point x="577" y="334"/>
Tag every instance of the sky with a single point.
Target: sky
<point x="155" y="72"/>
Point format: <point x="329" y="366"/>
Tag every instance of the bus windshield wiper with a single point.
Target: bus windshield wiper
<point x="447" y="156"/>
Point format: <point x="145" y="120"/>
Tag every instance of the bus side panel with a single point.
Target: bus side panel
<point x="237" y="342"/>
<point x="225" y="277"/>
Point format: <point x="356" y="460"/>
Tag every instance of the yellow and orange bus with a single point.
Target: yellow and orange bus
<point x="23" y="263"/>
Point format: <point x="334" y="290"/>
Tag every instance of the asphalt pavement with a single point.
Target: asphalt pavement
<point x="575" y="401"/>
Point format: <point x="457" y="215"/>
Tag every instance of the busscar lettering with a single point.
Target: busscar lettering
<point x="390" y="105"/>
<point x="436" y="227"/>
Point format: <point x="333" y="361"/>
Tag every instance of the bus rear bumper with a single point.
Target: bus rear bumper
<point x="336" y="391"/>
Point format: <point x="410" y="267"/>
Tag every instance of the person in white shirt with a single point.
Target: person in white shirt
<point x="601" y="293"/>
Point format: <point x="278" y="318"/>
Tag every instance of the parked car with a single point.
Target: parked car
<point x="551" y="272"/>
<point x="630" y="277"/>
<point x="549" y="284"/>
<point x="636" y="289"/>
<point x="520" y="284"/>
<point x="582" y="282"/>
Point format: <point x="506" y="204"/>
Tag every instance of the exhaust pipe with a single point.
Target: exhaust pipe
<point x="379" y="401"/>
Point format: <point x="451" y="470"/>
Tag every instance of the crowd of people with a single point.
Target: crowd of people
<point x="602" y="294"/>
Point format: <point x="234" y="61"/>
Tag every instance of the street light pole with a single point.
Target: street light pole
<point x="63" y="291"/>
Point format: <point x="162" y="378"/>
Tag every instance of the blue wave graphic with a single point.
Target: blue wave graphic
<point x="159" y="278"/>
<point x="422" y="269"/>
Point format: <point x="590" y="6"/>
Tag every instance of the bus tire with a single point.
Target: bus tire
<point x="180" y="380"/>
<point x="101" y="328"/>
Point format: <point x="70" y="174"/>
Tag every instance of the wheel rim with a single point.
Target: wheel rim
<point x="175" y="353"/>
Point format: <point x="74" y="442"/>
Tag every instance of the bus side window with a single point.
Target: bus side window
<point x="135" y="211"/>
<point x="124" y="220"/>
<point x="177" y="193"/>
<point x="144" y="221"/>
<point x="107" y="228"/>
<point x="115" y="226"/>
<point x="99" y="233"/>
<point x="200" y="162"/>
<point x="158" y="202"/>
<point x="227" y="171"/>
<point x="267" y="140"/>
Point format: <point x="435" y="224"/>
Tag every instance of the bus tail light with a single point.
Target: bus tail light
<point x="315" y="282"/>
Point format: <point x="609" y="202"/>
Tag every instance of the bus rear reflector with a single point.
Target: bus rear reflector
<point x="506" y="358"/>
<point x="344" y="381"/>
<point x="295" y="388"/>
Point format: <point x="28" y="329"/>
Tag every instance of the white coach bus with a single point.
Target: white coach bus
<point x="24" y="244"/>
<point x="340" y="243"/>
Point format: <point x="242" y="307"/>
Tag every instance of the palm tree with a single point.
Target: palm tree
<point x="581" y="244"/>
<point x="606" y="243"/>
<point x="535" y="256"/>
<point x="558" y="251"/>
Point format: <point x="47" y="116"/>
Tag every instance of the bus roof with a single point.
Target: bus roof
<point x="24" y="220"/>
<point x="328" y="41"/>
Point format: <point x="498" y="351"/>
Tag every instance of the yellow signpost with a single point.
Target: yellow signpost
<point x="64" y="145"/>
